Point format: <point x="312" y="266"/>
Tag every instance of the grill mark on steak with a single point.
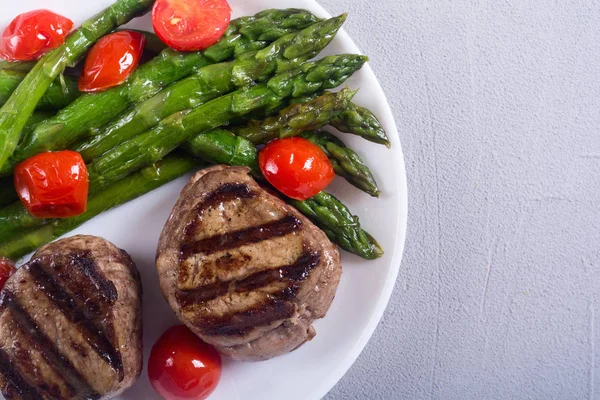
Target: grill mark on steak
<point x="42" y="343"/>
<point x="255" y="234"/>
<point x="224" y="193"/>
<point x="102" y="287"/>
<point x="16" y="384"/>
<point x="277" y="307"/>
<point x="240" y="323"/>
<point x="297" y="271"/>
<point x="90" y="328"/>
<point x="227" y="192"/>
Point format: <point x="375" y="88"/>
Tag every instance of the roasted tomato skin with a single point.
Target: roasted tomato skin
<point x="7" y="268"/>
<point x="190" y="25"/>
<point x="111" y="60"/>
<point x="296" y="167"/>
<point x="32" y="34"/>
<point x="182" y="366"/>
<point x="53" y="185"/>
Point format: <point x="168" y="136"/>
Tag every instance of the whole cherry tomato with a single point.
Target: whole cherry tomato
<point x="112" y="59"/>
<point x="32" y="34"/>
<point x="182" y="366"/>
<point x="7" y="268"/>
<point x="53" y="185"/>
<point x="296" y="167"/>
<point x="190" y="25"/>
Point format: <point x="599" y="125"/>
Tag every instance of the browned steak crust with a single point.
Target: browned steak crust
<point x="70" y="323"/>
<point x="245" y="271"/>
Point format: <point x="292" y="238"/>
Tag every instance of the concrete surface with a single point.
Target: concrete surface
<point x="498" y="108"/>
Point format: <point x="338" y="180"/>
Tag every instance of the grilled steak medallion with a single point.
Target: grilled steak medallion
<point x="70" y="323"/>
<point x="245" y="271"/>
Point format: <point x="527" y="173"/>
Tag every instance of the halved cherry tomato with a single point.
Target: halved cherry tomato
<point x="7" y="268"/>
<point x="190" y="25"/>
<point x="53" y="185"/>
<point x="112" y="59"/>
<point x="32" y="34"/>
<point x="296" y="167"/>
<point x="182" y="366"/>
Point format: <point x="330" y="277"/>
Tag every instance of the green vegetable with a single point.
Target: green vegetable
<point x="362" y="122"/>
<point x="90" y="112"/>
<point x="180" y="127"/>
<point x="62" y="92"/>
<point x="7" y="188"/>
<point x="345" y="161"/>
<point x="20" y="66"/>
<point x="296" y="118"/>
<point x="342" y="228"/>
<point x="21" y="104"/>
<point x="175" y="130"/>
<point x="222" y="147"/>
<point x="355" y="120"/>
<point x="133" y="186"/>
<point x="211" y="82"/>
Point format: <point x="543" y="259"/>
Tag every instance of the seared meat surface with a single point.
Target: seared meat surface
<point x="70" y="323"/>
<point x="242" y="269"/>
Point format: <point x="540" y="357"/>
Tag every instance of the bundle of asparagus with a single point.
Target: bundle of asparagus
<point x="259" y="67"/>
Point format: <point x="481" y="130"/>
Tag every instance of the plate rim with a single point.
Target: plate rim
<point x="384" y="297"/>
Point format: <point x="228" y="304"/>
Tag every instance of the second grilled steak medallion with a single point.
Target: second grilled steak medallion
<point x="245" y="271"/>
<point x="70" y="323"/>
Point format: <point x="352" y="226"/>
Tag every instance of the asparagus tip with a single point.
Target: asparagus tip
<point x="377" y="249"/>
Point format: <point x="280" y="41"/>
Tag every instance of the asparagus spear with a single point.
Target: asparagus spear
<point x="133" y="186"/>
<point x="62" y="92"/>
<point x="19" y="66"/>
<point x="182" y="126"/>
<point x="175" y="130"/>
<point x="296" y="118"/>
<point x="355" y="120"/>
<point x="212" y="81"/>
<point x="21" y="104"/>
<point x="89" y="112"/>
<point x="7" y="188"/>
<point x="342" y="228"/>
<point x="222" y="147"/>
<point x="362" y="122"/>
<point x="345" y="161"/>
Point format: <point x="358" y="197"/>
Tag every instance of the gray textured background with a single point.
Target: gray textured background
<point x="498" y="108"/>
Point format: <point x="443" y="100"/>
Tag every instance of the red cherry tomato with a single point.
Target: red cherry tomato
<point x="190" y="25"/>
<point x="7" y="268"/>
<point x="182" y="366"/>
<point x="296" y="167"/>
<point x="112" y="59"/>
<point x="53" y="185"/>
<point x="32" y="34"/>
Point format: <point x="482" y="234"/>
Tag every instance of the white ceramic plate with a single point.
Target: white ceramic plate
<point x="365" y="287"/>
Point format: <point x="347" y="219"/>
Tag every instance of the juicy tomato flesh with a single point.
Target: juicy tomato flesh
<point x="7" y="268"/>
<point x="182" y="366"/>
<point x="190" y="25"/>
<point x="32" y="34"/>
<point x="296" y="167"/>
<point x="53" y="185"/>
<point x="111" y="60"/>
